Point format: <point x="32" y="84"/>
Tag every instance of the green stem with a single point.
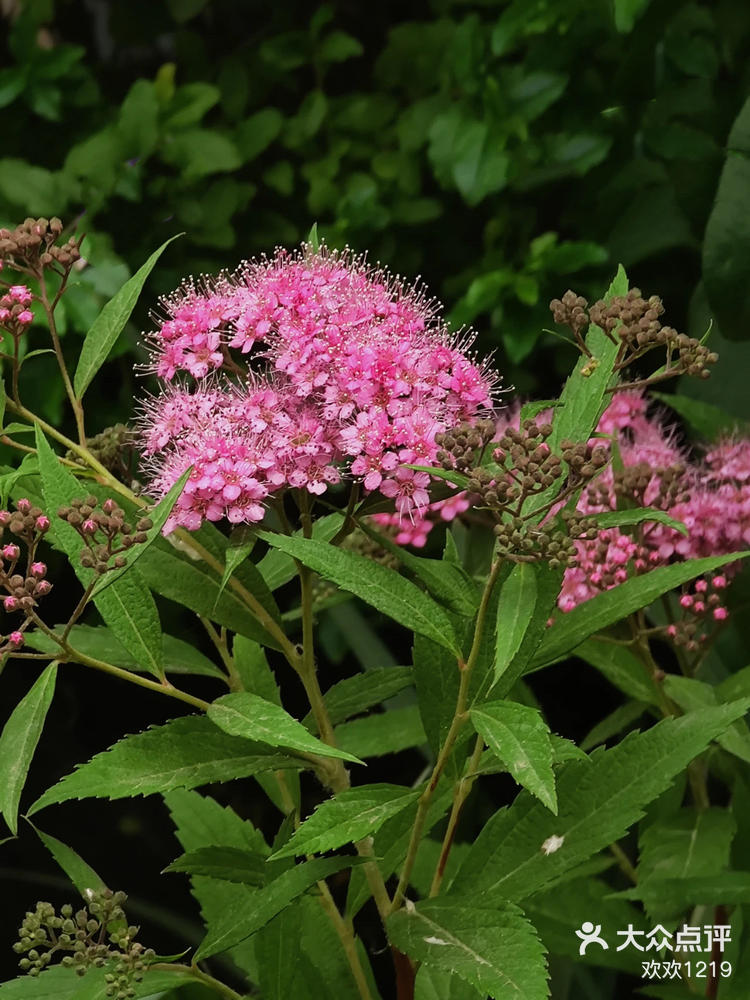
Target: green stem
<point x="624" y="862"/>
<point x="460" y="795"/>
<point x="202" y="977"/>
<point x="220" y="643"/>
<point x="460" y="717"/>
<point x="346" y="936"/>
<point x="49" y="308"/>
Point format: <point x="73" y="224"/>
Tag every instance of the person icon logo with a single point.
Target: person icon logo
<point x="589" y="934"/>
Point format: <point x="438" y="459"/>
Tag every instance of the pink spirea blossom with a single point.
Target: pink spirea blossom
<point x="305" y="368"/>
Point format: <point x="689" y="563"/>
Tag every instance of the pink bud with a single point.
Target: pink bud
<point x="38" y="569"/>
<point x="672" y="630"/>
<point x="699" y="607"/>
<point x="5" y="516"/>
<point x="42" y="588"/>
<point x="16" y="639"/>
<point x="686" y="601"/>
<point x="42" y="523"/>
<point x="25" y="317"/>
<point x="701" y="586"/>
<point x="23" y="505"/>
<point x="89" y="526"/>
<point x="108" y="506"/>
<point x="721" y="614"/>
<point x="20" y="293"/>
<point x="11" y="552"/>
<point x="10" y="604"/>
<point x="719" y="582"/>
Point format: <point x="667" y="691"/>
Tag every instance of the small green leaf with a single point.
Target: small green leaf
<point x="520" y="738"/>
<point x="488" y="943"/>
<point x="612" y="606"/>
<point x="18" y="742"/>
<point x="81" y="874"/>
<point x="109" y="324"/>
<point x="278" y="568"/>
<point x="313" y="240"/>
<point x="383" y="588"/>
<point x="247" y="715"/>
<point x="352" y="815"/>
<point x="622" y="518"/>
<point x="184" y="753"/>
<point x="515" y="608"/>
<point x="451" y="476"/>
<point x="251" y="663"/>
<point x="261" y="906"/>
<point x="233" y="864"/>
<point x="707" y="421"/>
<point x="238" y="550"/>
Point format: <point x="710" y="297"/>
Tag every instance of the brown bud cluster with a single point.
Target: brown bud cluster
<point x="665" y="486"/>
<point x="22" y="576"/>
<point x="115" y="448"/>
<point x="463" y="447"/>
<point x="32" y="245"/>
<point x="633" y="322"/>
<point x="547" y="543"/>
<point x="105" y="532"/>
<point x="93" y="936"/>
<point x="524" y="466"/>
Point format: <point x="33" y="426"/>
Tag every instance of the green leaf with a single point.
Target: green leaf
<point x="158" y="516"/>
<point x="450" y="476"/>
<point x="169" y="572"/>
<point x="448" y="582"/>
<point x="613" y="724"/>
<point x="251" y="664"/>
<point x="707" y="421"/>
<point x="201" y="822"/>
<point x="627" y="12"/>
<point x="59" y="983"/>
<point x="434" y="984"/>
<point x="726" y="243"/>
<point x="237" y="552"/>
<point x="613" y="605"/>
<point x="247" y="715"/>
<point x="727" y="888"/>
<point x="382" y="733"/>
<point x="520" y="738"/>
<point x="584" y="396"/>
<point x="384" y="589"/>
<point x="523" y="848"/>
<point x="622" y="518"/>
<point x="110" y="323"/>
<point x="352" y="815"/>
<point x="264" y="904"/>
<point x="18" y="742"/>
<point x="515" y="608"/>
<point x="184" y="753"/>
<point x="691" y="694"/>
<point x="99" y="642"/>
<point x="277" y="568"/>
<point x="621" y="667"/>
<point x="491" y="945"/>
<point x="358" y="693"/>
<point x="126" y="606"/>
<point x="233" y="864"/>
<point x="338" y="47"/>
<point x="130" y="611"/>
<point x="80" y="874"/>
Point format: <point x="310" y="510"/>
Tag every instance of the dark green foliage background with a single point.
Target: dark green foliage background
<point x="505" y="151"/>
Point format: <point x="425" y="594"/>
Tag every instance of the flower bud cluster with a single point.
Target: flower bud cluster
<point x="22" y="575"/>
<point x="524" y="466"/>
<point x="114" y="447"/>
<point x="702" y="612"/>
<point x="15" y="314"/>
<point x="632" y="322"/>
<point x="33" y="245"/>
<point x="105" y="532"/>
<point x="94" y="936"/>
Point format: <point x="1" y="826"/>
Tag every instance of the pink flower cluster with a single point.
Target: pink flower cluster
<point x="337" y="370"/>
<point x="714" y="507"/>
<point x="15" y="314"/>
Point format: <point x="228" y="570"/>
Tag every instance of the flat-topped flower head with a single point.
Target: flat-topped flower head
<point x="297" y="370"/>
